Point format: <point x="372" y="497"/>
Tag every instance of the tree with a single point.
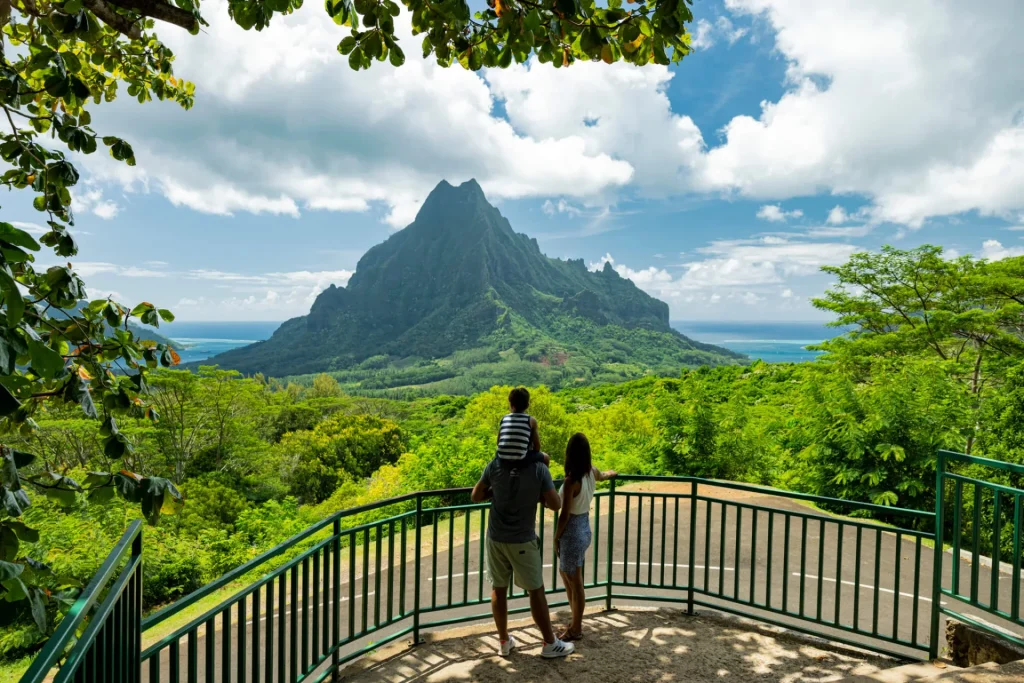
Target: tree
<point x="966" y="313"/>
<point x="688" y="431"/>
<point x="340" y="447"/>
<point x="324" y="386"/>
<point x="184" y="429"/>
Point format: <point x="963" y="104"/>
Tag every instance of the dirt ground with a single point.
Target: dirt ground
<point x="631" y="644"/>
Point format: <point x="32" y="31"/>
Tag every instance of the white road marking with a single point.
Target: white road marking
<point x="616" y="562"/>
<point x="863" y="586"/>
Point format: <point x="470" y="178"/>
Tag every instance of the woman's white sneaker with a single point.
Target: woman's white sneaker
<point x="508" y="646"/>
<point x="559" y="648"/>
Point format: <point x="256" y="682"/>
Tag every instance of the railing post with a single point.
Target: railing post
<point x="693" y="540"/>
<point x="940" y="471"/>
<point x="611" y="547"/>
<point x="336" y="594"/>
<point x="416" y="574"/>
<point x="135" y="645"/>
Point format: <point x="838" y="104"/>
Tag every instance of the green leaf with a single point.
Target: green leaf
<point x="77" y="391"/>
<point x="167" y="316"/>
<point x="159" y="496"/>
<point x="355" y="59"/>
<point x="127" y="484"/>
<point x="142" y="308"/>
<point x="8" y="544"/>
<point x="8" y="403"/>
<point x="36" y="601"/>
<point x="16" y="590"/>
<point x="347" y="44"/>
<point x="113" y="314"/>
<point x="396" y="56"/>
<point x="22" y="459"/>
<point x="23" y="531"/>
<point x="10" y="570"/>
<point x="58" y="488"/>
<point x="13" y="503"/>
<point x="19" y="238"/>
<point x="12" y="297"/>
<point x="45" y="361"/>
<point x="115" y="446"/>
<point x="9" y="470"/>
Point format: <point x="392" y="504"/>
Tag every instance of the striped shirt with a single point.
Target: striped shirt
<point x="514" y="436"/>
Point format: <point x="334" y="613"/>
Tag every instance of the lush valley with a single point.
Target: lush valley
<point x="458" y="301"/>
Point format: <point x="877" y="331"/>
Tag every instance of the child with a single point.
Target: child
<point x="518" y="438"/>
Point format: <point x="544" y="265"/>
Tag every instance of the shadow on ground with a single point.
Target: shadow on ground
<point x="626" y="645"/>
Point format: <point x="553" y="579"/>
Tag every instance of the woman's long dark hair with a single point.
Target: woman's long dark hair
<point x="577" y="458"/>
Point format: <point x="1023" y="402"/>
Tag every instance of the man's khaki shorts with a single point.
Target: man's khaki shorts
<point x="518" y="562"/>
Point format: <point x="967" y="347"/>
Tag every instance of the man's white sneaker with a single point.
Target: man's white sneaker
<point x="508" y="646"/>
<point x="559" y="648"/>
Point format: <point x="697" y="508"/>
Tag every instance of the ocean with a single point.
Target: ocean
<point x="200" y="340"/>
<point x="772" y="342"/>
<point x="780" y="342"/>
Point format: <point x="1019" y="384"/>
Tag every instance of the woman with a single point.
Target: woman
<point x="572" y="537"/>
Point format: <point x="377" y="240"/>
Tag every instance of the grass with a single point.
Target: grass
<point x="12" y="671"/>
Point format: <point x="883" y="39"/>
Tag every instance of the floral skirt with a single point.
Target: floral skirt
<point x="572" y="549"/>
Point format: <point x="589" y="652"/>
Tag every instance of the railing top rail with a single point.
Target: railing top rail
<point x="782" y="493"/>
<point x="987" y="462"/>
<point x="54" y="648"/>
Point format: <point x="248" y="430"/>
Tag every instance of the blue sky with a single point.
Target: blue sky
<point x="796" y="133"/>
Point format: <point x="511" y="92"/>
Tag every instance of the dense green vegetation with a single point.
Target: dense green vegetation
<point x="458" y="301"/>
<point x="933" y="361"/>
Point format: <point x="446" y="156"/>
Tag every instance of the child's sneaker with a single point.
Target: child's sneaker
<point x="507" y="646"/>
<point x="559" y="648"/>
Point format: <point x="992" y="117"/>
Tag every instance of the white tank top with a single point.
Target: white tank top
<point x="581" y="503"/>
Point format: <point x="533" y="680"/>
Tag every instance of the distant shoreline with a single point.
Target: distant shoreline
<point x="777" y="342"/>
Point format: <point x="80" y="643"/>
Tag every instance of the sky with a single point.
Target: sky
<point x="797" y="133"/>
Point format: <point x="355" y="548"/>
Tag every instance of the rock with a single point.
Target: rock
<point x="970" y="646"/>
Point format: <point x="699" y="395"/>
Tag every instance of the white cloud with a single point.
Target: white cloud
<point x="561" y="206"/>
<point x="993" y="250"/>
<point x="272" y="295"/>
<point x="706" y="34"/>
<point x="837" y="216"/>
<point x="840" y="231"/>
<point x="282" y="125"/>
<point x="774" y="213"/>
<point x="738" y="271"/>
<point x="619" y="110"/>
<point x="870" y="110"/>
<point x="90" y="199"/>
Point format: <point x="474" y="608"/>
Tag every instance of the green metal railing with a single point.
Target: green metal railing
<point x="982" y="520"/>
<point x="109" y="647"/>
<point x="368" y="576"/>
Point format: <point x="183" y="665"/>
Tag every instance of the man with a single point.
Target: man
<point x="513" y="551"/>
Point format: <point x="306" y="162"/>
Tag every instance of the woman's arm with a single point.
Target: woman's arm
<point x="604" y="476"/>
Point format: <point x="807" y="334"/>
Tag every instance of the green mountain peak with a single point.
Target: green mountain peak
<point x="460" y="279"/>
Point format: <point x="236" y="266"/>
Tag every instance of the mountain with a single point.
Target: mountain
<point x="459" y="288"/>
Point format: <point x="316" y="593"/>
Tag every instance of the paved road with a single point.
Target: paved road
<point x="748" y="549"/>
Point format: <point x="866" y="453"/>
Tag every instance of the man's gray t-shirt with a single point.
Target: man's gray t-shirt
<point x="517" y="490"/>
